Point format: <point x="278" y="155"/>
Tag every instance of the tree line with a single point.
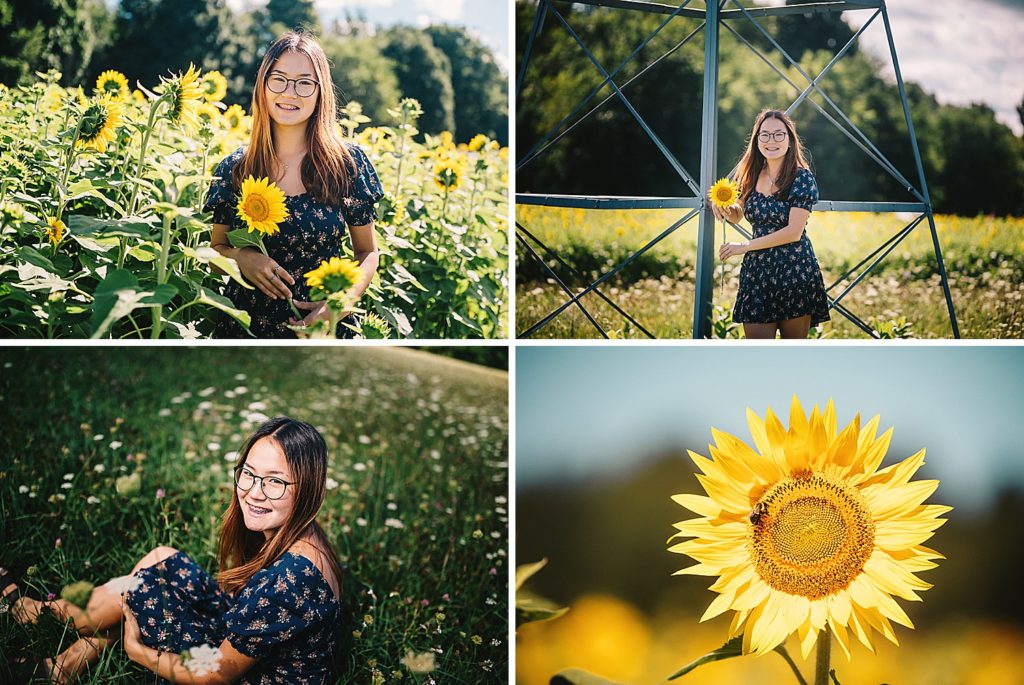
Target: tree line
<point x="454" y="76"/>
<point x="973" y="164"/>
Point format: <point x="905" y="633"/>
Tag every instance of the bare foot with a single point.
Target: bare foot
<point x="24" y="609"/>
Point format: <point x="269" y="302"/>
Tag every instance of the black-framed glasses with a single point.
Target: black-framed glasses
<point x="304" y="87"/>
<point x="777" y="136"/>
<point x="272" y="486"/>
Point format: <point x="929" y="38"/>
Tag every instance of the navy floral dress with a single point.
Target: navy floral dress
<point x="285" y="616"/>
<point x="311" y="234"/>
<point x="782" y="282"/>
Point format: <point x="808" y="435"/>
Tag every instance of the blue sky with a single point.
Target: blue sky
<point x="590" y="411"/>
<point x="487" y="20"/>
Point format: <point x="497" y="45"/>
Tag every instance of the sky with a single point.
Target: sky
<point x="963" y="51"/>
<point x="487" y="20"/>
<point x="584" y="412"/>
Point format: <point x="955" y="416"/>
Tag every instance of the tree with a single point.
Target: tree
<point x="294" y="15"/>
<point x="362" y="73"/>
<point x="44" y="34"/>
<point x="424" y="73"/>
<point x="481" y="103"/>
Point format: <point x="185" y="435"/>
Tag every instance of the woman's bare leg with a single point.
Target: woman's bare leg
<point x="797" y="328"/>
<point x="760" y="331"/>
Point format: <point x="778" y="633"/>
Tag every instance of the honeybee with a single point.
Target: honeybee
<point x="759" y="511"/>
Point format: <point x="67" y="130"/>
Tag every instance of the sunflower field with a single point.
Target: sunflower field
<point x="102" y="233"/>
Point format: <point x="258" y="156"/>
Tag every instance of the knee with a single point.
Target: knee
<point x="154" y="556"/>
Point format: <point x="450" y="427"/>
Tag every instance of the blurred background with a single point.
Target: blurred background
<point x="451" y="56"/>
<point x="601" y="439"/>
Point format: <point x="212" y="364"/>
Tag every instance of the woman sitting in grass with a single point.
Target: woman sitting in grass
<point x="271" y="615"/>
<point x="781" y="287"/>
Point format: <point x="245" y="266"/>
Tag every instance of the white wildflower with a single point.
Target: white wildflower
<point x="419" y="663"/>
<point x="92" y="499"/>
<point x="165" y="412"/>
<point x="115" y="444"/>
<point x="359" y="521"/>
<point x="364" y="440"/>
<point x="69" y="476"/>
<point x="203" y="659"/>
<point x="22" y="489"/>
<point x="99" y="468"/>
<point x="359" y="466"/>
<point x="394" y="523"/>
<point x="331" y="483"/>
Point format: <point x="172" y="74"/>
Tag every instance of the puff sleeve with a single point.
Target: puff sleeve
<point x="804" y="191"/>
<point x="358" y="207"/>
<point x="278" y="604"/>
<point x="221" y="198"/>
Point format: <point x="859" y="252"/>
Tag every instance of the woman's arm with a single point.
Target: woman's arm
<point x="258" y="269"/>
<point x="364" y="247"/>
<point x="167" y="665"/>
<point x="790" y="233"/>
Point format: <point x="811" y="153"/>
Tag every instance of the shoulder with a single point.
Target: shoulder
<point x="309" y="552"/>
<point x="804" y="174"/>
<point x="229" y="162"/>
<point x="358" y="155"/>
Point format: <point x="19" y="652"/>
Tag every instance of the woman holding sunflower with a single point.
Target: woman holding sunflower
<point x="321" y="184"/>
<point x="781" y="287"/>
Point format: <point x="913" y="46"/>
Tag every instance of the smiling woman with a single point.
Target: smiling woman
<point x="329" y="188"/>
<point x="272" y="614"/>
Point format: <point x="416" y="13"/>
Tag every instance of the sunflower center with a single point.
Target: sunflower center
<point x="811" y="536"/>
<point x="257" y="208"/>
<point x="724" y="194"/>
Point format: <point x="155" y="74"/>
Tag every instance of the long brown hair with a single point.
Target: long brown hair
<point x="328" y="166"/>
<point x="244" y="552"/>
<point x="752" y="161"/>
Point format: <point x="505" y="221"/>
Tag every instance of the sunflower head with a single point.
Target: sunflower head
<point x="113" y="84"/>
<point x="447" y="175"/>
<point x="477" y="142"/>
<point x="55" y="229"/>
<point x="214" y="86"/>
<point x="725" y="193"/>
<point x="333" y="279"/>
<point x="262" y="205"/>
<point x="234" y="117"/>
<point x="374" y="327"/>
<point x="99" y="123"/>
<point x="207" y="114"/>
<point x="805" y="533"/>
<point x="183" y="94"/>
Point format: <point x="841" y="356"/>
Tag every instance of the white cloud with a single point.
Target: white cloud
<point x="445" y="10"/>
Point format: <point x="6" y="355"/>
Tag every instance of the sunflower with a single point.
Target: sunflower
<point x="262" y="205"/>
<point x="333" y="276"/>
<point x="114" y="84"/>
<point x="448" y="175"/>
<point x="806" y="533"/>
<point x="184" y="94"/>
<point x="724" y="193"/>
<point x="374" y="327"/>
<point x="477" y="142"/>
<point x="55" y="229"/>
<point x="235" y="118"/>
<point x="214" y="86"/>
<point x="99" y="121"/>
<point x="207" y="114"/>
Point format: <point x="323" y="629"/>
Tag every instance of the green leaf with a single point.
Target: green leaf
<point x="224" y="304"/>
<point x="577" y="676"/>
<point x="79" y="225"/>
<point x="114" y="298"/>
<point x="532" y="608"/>
<point x="404" y="276"/>
<point x="36" y="258"/>
<point x="525" y="571"/>
<point x="241" y="237"/>
<point x="208" y="255"/>
<point x="733" y="647"/>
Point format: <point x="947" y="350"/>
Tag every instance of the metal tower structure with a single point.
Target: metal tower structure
<point x="711" y="19"/>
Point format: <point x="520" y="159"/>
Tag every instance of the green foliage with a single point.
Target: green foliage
<point x="415" y="501"/>
<point x="45" y="34"/>
<point x="135" y="261"/>
<point x="424" y="73"/>
<point x="293" y="15"/>
<point x="972" y="163"/>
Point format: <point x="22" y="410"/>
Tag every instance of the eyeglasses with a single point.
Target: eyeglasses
<point x="304" y="87"/>
<point x="273" y="488"/>
<point x="777" y="136"/>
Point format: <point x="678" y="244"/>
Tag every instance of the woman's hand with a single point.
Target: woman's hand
<point x="132" y="635"/>
<point x="732" y="249"/>
<point x="264" y="273"/>
<point x="317" y="312"/>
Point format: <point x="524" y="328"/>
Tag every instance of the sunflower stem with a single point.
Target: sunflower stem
<point x="824" y="653"/>
<point x="142" y="152"/>
<point x="781" y="649"/>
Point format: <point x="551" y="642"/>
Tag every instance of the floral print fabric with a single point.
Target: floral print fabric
<point x="284" y="617"/>
<point x="312" y="233"/>
<point x="782" y="282"/>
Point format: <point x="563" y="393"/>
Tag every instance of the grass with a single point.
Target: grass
<point x="414" y="437"/>
<point x="984" y="257"/>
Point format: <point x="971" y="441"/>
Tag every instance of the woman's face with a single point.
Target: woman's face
<point x="260" y="511"/>
<point x="773" y="139"/>
<point x="289" y="107"/>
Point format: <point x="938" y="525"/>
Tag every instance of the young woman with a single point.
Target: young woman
<point x="781" y="287"/>
<point x="327" y="184"/>
<point x="273" y="611"/>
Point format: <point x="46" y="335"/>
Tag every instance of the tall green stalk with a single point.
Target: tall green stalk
<point x="161" y="274"/>
<point x="822" y="663"/>
<point x="142" y="153"/>
<point x="401" y="151"/>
